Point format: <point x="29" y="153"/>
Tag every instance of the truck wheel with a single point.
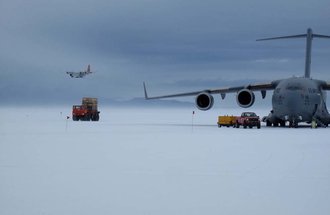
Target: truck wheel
<point x="258" y="126"/>
<point x="244" y="126"/>
<point x="237" y="125"/>
<point x="97" y="117"/>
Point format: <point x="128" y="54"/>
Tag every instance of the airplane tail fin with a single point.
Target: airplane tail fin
<point x="309" y="37"/>
<point x="89" y="68"/>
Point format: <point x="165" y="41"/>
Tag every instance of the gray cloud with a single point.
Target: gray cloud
<point x="162" y="42"/>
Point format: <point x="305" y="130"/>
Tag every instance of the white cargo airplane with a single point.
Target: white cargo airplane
<point x="80" y="74"/>
<point x="296" y="99"/>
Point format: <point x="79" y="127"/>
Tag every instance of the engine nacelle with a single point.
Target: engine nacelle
<point x="204" y="101"/>
<point x="245" y="98"/>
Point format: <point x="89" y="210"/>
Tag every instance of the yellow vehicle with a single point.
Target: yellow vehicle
<point x="226" y="121"/>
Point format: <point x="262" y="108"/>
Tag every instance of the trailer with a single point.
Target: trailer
<point x="226" y="121"/>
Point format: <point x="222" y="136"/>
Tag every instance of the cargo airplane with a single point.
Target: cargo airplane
<point x="294" y="100"/>
<point x="80" y="74"/>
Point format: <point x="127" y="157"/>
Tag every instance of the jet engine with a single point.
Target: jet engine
<point x="204" y="101"/>
<point x="245" y="98"/>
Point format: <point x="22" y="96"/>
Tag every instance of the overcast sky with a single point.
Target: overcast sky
<point x="173" y="45"/>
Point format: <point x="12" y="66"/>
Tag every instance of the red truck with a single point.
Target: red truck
<point x="86" y="111"/>
<point x="248" y="119"/>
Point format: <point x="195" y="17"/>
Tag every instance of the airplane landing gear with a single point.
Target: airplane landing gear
<point x="293" y="124"/>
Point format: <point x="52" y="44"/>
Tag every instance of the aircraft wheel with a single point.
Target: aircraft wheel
<point x="293" y="124"/>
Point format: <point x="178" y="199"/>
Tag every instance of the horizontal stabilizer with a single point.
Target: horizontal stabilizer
<point x="321" y="36"/>
<point x="284" y="37"/>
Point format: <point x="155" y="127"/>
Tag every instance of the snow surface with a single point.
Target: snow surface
<point x="158" y="161"/>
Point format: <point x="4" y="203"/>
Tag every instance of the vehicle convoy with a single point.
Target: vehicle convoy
<point x="226" y="121"/>
<point x="86" y="111"/>
<point x="248" y="119"/>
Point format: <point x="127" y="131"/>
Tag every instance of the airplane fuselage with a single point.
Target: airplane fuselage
<point x="77" y="74"/>
<point x="298" y="100"/>
<point x="80" y="74"/>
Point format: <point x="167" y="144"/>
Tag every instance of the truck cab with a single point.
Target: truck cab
<point x="87" y="111"/>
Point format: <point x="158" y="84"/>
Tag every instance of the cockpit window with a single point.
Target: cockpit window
<point x="294" y="87"/>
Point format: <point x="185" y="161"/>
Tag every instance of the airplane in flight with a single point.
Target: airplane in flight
<point x="80" y="74"/>
<point x="294" y="100"/>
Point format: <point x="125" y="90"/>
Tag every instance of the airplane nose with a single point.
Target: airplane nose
<point x="294" y="103"/>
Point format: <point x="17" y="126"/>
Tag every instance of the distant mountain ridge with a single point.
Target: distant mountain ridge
<point x="141" y="102"/>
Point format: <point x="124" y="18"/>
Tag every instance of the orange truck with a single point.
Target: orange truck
<point x="87" y="111"/>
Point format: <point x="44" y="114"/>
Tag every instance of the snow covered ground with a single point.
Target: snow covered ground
<point x="158" y="161"/>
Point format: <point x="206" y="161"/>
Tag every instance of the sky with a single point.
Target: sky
<point x="173" y="45"/>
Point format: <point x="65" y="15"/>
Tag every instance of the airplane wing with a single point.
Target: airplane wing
<point x="222" y="91"/>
